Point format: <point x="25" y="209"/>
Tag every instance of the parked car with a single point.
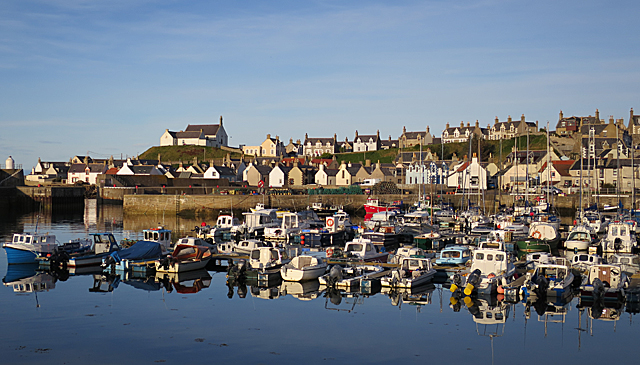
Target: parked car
<point x="551" y="189"/>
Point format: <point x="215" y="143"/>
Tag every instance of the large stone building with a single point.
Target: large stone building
<point x="511" y="128"/>
<point x="408" y="139"/>
<point x="319" y="146"/>
<point x="462" y="133"/>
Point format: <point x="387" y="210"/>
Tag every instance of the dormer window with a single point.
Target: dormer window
<point x="511" y="128"/>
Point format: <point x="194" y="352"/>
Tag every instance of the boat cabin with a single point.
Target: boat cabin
<point x="583" y="260"/>
<point x="491" y="261"/>
<point x="246" y="246"/>
<point x="610" y="275"/>
<point x="454" y="255"/>
<point x="268" y="257"/>
<point x="227" y="221"/>
<point x="160" y="235"/>
<point x="620" y="238"/>
<point x="33" y="239"/>
<point x="415" y="263"/>
<point x="261" y="218"/>
<point x="104" y="242"/>
<point x="361" y="248"/>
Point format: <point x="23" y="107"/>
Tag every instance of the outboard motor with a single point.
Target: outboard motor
<point x="457" y="282"/>
<point x="108" y="261"/>
<point x="335" y="275"/>
<point x="472" y="281"/>
<point x="598" y="289"/>
<point x="542" y="284"/>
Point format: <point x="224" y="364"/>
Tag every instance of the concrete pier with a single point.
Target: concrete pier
<point x="211" y="204"/>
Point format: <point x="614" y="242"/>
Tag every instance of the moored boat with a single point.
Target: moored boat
<point x="303" y="267"/>
<point x="413" y="271"/>
<point x="184" y="258"/>
<point x="25" y="247"/>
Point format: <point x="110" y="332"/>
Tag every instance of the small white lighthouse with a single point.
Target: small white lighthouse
<point x="9" y="163"/>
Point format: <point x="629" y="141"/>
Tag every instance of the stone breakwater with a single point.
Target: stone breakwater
<point x="212" y="204"/>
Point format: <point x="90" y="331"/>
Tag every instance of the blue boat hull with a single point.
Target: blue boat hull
<point x="17" y="256"/>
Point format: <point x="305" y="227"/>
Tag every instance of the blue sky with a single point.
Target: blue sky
<point x="108" y="77"/>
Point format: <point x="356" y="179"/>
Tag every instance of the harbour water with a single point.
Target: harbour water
<point x="84" y="318"/>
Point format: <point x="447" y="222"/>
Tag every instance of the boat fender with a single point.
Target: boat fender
<point x="500" y="289"/>
<point x="330" y="252"/>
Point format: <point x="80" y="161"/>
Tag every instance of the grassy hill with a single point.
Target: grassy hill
<point x="186" y="153"/>
<point x="487" y="148"/>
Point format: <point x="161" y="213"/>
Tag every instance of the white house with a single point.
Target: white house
<point x="220" y="172"/>
<point x="139" y="170"/>
<point x="325" y="176"/>
<point x="87" y="173"/>
<point x="363" y="143"/>
<point x="210" y="135"/>
<point x="426" y="172"/>
<point x="279" y="176"/>
<point x="468" y="175"/>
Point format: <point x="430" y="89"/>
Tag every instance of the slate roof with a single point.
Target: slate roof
<point x="208" y="129"/>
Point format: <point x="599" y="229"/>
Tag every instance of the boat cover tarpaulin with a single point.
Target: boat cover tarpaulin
<point x="139" y="251"/>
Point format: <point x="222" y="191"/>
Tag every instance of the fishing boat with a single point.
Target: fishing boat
<point x="362" y="249"/>
<point x="374" y="206"/>
<point x="184" y="258"/>
<point x="348" y="277"/>
<point x="137" y="258"/>
<point x="491" y="269"/>
<point x="620" y="238"/>
<point x="25" y="247"/>
<point x="454" y="255"/>
<point x="254" y="224"/>
<point x="267" y="258"/>
<point x="220" y="231"/>
<point x="245" y="247"/>
<point x="413" y="271"/>
<point x="550" y="280"/>
<point x="292" y="225"/>
<point x="303" y="267"/>
<point x="406" y="251"/>
<point x="160" y="235"/>
<point x="580" y="238"/>
<point x="543" y="236"/>
<point x="195" y="241"/>
<point x="629" y="263"/>
<point x="604" y="282"/>
<point x="102" y="244"/>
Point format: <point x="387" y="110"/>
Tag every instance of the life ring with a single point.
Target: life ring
<point x="330" y="222"/>
<point x="330" y="252"/>
<point x="536" y="234"/>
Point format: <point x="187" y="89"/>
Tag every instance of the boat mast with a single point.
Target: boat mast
<point x="581" y="167"/>
<point x="548" y="169"/>
<point x="618" y="147"/>
<point x="526" y="185"/>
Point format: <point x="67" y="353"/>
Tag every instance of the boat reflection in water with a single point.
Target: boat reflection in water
<point x="301" y="290"/>
<point x="183" y="283"/>
<point x="490" y="314"/>
<point x="24" y="279"/>
<point x="549" y="309"/>
<point x="417" y="296"/>
<point x="189" y="282"/>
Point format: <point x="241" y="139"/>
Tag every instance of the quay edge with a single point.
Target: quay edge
<point x="203" y="205"/>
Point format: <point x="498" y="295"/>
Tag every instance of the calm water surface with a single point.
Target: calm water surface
<point x="80" y="320"/>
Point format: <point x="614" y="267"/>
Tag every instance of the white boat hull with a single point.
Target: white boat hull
<point x="289" y="273"/>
